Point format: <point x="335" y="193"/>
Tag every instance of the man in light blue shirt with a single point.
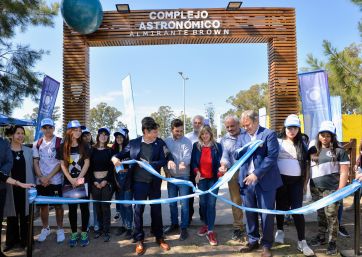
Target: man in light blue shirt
<point x="180" y="148"/>
<point x="228" y="142"/>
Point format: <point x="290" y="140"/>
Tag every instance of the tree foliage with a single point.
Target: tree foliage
<point x="17" y="76"/>
<point x="250" y="99"/>
<point x="344" y="74"/>
<point x="163" y="117"/>
<point x="103" y="115"/>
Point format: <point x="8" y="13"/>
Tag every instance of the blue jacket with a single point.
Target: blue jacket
<point x="265" y="160"/>
<point x="216" y="153"/>
<point x="6" y="157"/>
<point x="133" y="149"/>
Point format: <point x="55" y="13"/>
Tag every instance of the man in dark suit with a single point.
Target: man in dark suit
<point x="259" y="179"/>
<point x="153" y="150"/>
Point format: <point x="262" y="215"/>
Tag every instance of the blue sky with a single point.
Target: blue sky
<point x="215" y="71"/>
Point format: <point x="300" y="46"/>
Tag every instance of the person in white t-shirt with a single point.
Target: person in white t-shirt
<point x="49" y="177"/>
<point x="292" y="164"/>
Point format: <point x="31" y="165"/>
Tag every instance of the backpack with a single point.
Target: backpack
<point x="58" y="141"/>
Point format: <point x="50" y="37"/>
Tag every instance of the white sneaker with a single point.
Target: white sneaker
<point x="43" y="234"/>
<point x="279" y="237"/>
<point x="304" y="248"/>
<point x="60" y="235"/>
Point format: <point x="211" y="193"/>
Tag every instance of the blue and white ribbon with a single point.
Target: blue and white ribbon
<point x="336" y="196"/>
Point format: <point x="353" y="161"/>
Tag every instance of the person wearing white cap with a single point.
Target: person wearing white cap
<point x="49" y="176"/>
<point x="124" y="211"/>
<point x="292" y="164"/>
<point x="74" y="162"/>
<point x="329" y="173"/>
<point x="102" y="181"/>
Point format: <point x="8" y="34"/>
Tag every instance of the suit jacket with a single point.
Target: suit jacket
<point x="6" y="157"/>
<point x="132" y="151"/>
<point x="216" y="153"/>
<point x="264" y="158"/>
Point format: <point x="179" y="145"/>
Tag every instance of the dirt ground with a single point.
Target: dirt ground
<point x="193" y="246"/>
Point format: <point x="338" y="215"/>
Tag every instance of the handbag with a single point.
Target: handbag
<point x="78" y="192"/>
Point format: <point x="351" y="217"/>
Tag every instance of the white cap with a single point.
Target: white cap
<point x="327" y="126"/>
<point x="292" y="121"/>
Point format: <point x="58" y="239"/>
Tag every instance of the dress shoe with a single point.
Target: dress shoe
<point x="170" y="229"/>
<point x="165" y="246"/>
<point x="266" y="252"/>
<point x="249" y="248"/>
<point x="140" y="248"/>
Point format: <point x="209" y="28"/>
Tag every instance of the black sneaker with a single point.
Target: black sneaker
<point x="120" y="231"/>
<point x="343" y="232"/>
<point x="97" y="234"/>
<point x="332" y="248"/>
<point x="237" y="234"/>
<point x="184" y="234"/>
<point x="318" y="240"/>
<point x="128" y="235"/>
<point x="106" y="237"/>
<point x="171" y="229"/>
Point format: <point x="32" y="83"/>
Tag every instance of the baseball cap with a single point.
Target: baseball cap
<point x="292" y="121"/>
<point x="121" y="131"/>
<point x="73" y="124"/>
<point x="104" y="129"/>
<point x="327" y="126"/>
<point x="46" y="122"/>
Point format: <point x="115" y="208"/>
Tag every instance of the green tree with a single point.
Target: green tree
<point x="55" y="116"/>
<point x="17" y="76"/>
<point x="188" y="122"/>
<point x="344" y="70"/>
<point x="250" y="99"/>
<point x="163" y="117"/>
<point x="103" y="115"/>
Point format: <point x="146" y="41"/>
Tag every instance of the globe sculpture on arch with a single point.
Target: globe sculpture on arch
<point x="83" y="16"/>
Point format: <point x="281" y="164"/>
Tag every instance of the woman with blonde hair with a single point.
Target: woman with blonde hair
<point x="205" y="163"/>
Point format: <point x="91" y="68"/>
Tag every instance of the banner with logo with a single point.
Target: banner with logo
<point x="315" y="97"/>
<point x="336" y="108"/>
<point x="130" y="114"/>
<point x="48" y="97"/>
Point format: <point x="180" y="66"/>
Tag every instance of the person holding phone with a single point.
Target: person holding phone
<point x="74" y="162"/>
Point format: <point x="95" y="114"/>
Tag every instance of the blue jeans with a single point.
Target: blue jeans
<point x="125" y="210"/>
<point x="208" y="202"/>
<point x="175" y="191"/>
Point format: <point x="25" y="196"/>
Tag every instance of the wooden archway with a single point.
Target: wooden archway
<point x="273" y="26"/>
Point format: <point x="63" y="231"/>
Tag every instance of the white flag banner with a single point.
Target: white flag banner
<point x="129" y="113"/>
<point x="262" y="117"/>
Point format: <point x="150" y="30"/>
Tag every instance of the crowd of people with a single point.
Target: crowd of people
<point x="274" y="177"/>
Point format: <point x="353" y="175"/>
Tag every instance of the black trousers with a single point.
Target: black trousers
<point x="2" y="204"/>
<point x="84" y="209"/>
<point x="144" y="191"/>
<point x="103" y="209"/>
<point x="17" y="230"/>
<point x="290" y="196"/>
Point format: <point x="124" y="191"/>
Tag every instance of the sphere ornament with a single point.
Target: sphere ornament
<point x="83" y="16"/>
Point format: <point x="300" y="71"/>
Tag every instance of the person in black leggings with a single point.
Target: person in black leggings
<point x="292" y="164"/>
